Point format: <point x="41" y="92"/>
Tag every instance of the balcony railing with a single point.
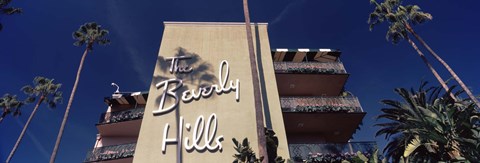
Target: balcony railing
<point x="310" y="67"/>
<point x="320" y="104"/>
<point x="111" y="152"/>
<point x="330" y="152"/>
<point x="121" y="116"/>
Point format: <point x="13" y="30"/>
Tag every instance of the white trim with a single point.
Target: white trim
<point x="135" y="93"/>
<point x="281" y="50"/>
<point x="325" y="50"/>
<point x="303" y="50"/>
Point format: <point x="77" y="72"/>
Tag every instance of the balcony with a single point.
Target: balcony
<point x="121" y="116"/>
<point x="334" y="119"/>
<point x="340" y="151"/>
<point x="320" y="104"/>
<point x="121" y="123"/>
<point x="310" y="67"/>
<point x="310" y="78"/>
<point x="115" y="153"/>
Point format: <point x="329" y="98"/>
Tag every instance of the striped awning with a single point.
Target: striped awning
<point x="300" y="55"/>
<point x="129" y="98"/>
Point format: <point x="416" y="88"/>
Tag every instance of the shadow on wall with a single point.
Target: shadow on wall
<point x="201" y="76"/>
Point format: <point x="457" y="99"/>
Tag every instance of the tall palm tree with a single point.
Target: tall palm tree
<point x="4" y="10"/>
<point x="88" y="35"/>
<point x="48" y="93"/>
<point x="427" y="125"/>
<point x="262" y="145"/>
<point x="9" y="105"/>
<point x="414" y="11"/>
<point x="401" y="18"/>
<point x="396" y="32"/>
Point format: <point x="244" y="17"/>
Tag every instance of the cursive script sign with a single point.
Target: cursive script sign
<point x="205" y="127"/>
<point x="171" y="86"/>
<point x="199" y="128"/>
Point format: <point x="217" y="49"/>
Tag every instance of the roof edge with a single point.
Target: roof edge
<point x="209" y="23"/>
<point x="304" y="50"/>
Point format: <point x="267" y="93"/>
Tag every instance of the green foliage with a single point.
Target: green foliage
<point x="361" y="156"/>
<point x="398" y="17"/>
<point x="45" y="88"/>
<point x="412" y="146"/>
<point x="5" y="10"/>
<point x="358" y="157"/>
<point x="429" y="126"/>
<point x="336" y="158"/>
<point x="272" y="145"/>
<point x="10" y="105"/>
<point x="245" y="153"/>
<point x="89" y="34"/>
<point x="41" y="87"/>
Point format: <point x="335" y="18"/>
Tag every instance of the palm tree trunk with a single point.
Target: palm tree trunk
<point x="435" y="73"/>
<point x="4" y="114"/>
<point x="67" y="110"/>
<point x="262" y="145"/>
<point x="10" y="156"/>
<point x="454" y="75"/>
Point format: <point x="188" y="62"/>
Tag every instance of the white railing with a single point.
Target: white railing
<point x="120" y="116"/>
<point x="320" y="104"/>
<point x="111" y="152"/>
<point x="310" y="67"/>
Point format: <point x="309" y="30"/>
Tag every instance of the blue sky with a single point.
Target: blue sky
<point x="38" y="42"/>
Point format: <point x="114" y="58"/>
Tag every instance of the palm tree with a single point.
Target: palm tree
<point x="88" y="34"/>
<point x="4" y="10"/>
<point x="48" y="93"/>
<point x="262" y="145"/>
<point x="400" y="19"/>
<point x="396" y="32"/>
<point x="427" y="126"/>
<point x="9" y="105"/>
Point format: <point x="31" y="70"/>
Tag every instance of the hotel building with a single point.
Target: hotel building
<point x="201" y="96"/>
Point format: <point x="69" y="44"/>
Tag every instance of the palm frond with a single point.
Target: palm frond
<point x="46" y="88"/>
<point x="7" y="10"/>
<point x="27" y="90"/>
<point x="427" y="125"/>
<point x="397" y="17"/>
<point x="79" y="43"/>
<point x="10" y="105"/>
<point x="416" y="15"/>
<point x="412" y="146"/>
<point x="89" y="34"/>
<point x="11" y="11"/>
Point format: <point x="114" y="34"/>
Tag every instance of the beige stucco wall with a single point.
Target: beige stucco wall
<point x="212" y="43"/>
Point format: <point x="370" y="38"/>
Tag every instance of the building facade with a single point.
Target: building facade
<point x="201" y="96"/>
